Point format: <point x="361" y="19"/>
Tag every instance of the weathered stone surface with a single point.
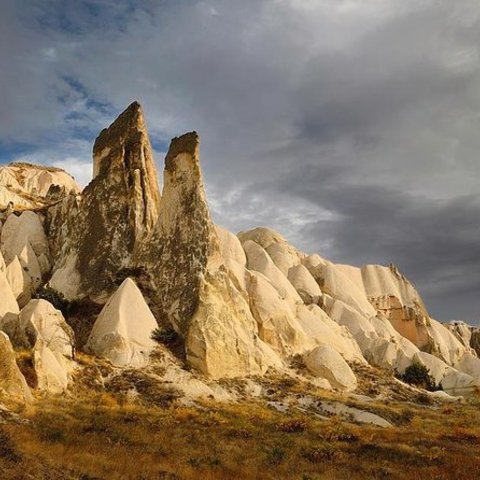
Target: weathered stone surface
<point x="116" y="211"/>
<point x="443" y="343"/>
<point x="24" y="236"/>
<point x="305" y="284"/>
<point x="395" y="297"/>
<point x="222" y="338"/>
<point x="30" y="186"/>
<point x="8" y="303"/>
<point x="3" y="265"/>
<point x="230" y="246"/>
<point x="324" y="361"/>
<point x="469" y="364"/>
<point x="20" y="282"/>
<point x="183" y="244"/>
<point x="122" y="332"/>
<point x="12" y="382"/>
<point x="468" y="335"/>
<point x="259" y="261"/>
<point x="51" y="369"/>
<point x="39" y="320"/>
<point x="276" y="319"/>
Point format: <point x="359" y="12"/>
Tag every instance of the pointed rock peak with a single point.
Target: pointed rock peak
<point x="122" y="331"/>
<point x="124" y="143"/>
<point x="188" y="143"/>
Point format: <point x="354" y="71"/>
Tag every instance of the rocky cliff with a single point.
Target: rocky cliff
<point x="227" y="305"/>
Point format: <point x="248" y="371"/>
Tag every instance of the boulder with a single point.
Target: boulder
<point x="324" y="361"/>
<point x="122" y="332"/>
<point x="12" y="382"/>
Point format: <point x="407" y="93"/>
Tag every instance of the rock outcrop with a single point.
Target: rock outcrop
<point x="122" y="332"/>
<point x="25" y="185"/>
<point x="324" y="361"/>
<point x="113" y="215"/>
<point x="183" y="244"/>
<point x="12" y="382"/>
<point x="240" y="305"/>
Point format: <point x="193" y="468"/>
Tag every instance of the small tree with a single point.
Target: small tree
<point x="164" y="335"/>
<point x="419" y="375"/>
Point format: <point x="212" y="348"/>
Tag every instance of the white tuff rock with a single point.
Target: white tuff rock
<point x="122" y="332"/>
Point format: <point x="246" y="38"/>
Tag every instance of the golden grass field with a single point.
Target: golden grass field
<point x="102" y="437"/>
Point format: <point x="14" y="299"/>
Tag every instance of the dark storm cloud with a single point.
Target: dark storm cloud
<point x="350" y="126"/>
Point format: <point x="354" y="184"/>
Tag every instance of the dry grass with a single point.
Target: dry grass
<point x="104" y="438"/>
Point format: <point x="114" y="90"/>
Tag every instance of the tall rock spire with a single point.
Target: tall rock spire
<point x="183" y="244"/>
<point x="116" y="211"/>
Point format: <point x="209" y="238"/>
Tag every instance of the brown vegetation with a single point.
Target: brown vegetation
<point x="104" y="437"/>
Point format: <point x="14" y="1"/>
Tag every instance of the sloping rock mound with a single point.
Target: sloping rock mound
<point x="468" y="335"/>
<point x="12" y="382"/>
<point x="114" y="214"/>
<point x="26" y="185"/>
<point x="122" y="332"/>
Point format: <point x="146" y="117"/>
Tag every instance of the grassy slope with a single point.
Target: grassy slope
<point x="100" y="438"/>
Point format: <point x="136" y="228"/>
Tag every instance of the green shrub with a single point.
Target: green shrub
<point x="419" y="375"/>
<point x="164" y="335"/>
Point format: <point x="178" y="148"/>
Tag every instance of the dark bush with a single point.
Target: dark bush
<point x="419" y="375"/>
<point x="164" y="335"/>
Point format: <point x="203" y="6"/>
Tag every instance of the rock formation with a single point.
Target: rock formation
<point x="240" y="305"/>
<point x="114" y="213"/>
<point x="122" y="332"/>
<point x="12" y="382"/>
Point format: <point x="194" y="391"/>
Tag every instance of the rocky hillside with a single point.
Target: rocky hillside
<point x="28" y="186"/>
<point x="142" y="283"/>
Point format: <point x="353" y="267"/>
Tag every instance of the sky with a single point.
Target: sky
<point x="352" y="127"/>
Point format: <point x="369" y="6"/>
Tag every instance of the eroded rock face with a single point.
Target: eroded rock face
<point x="9" y="309"/>
<point x="39" y="319"/>
<point x="12" y="382"/>
<point x="25" y="185"/>
<point x="222" y="338"/>
<point x="395" y="297"/>
<point x="183" y="244"/>
<point x="114" y="214"/>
